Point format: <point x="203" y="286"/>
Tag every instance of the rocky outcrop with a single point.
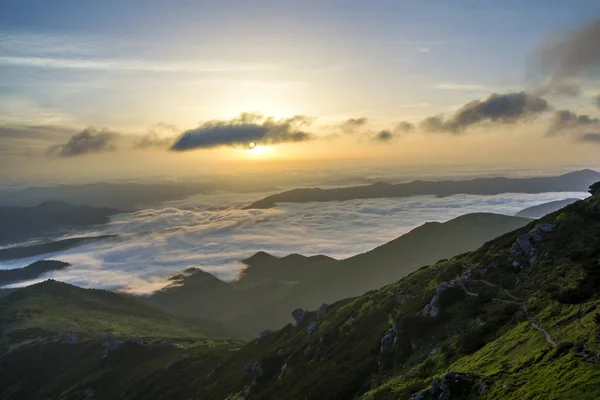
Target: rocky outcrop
<point x="298" y="315"/>
<point x="594" y="189"/>
<point x="311" y="328"/>
<point x="265" y="332"/>
<point x="387" y="341"/>
<point x="452" y="385"/>
<point x="110" y="343"/>
<point x="322" y="310"/>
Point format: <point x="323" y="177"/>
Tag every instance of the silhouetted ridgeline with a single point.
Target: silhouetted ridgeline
<point x="24" y="223"/>
<point x="572" y="182"/>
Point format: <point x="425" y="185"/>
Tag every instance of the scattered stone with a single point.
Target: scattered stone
<point x="298" y="315"/>
<point x="517" y="264"/>
<point x="249" y="367"/>
<point x="518" y="282"/>
<point x="524" y="243"/>
<point x="546" y="228"/>
<point x="537" y="235"/>
<point x="110" y="343"/>
<point x="170" y="363"/>
<point x="481" y="389"/>
<point x="72" y="339"/>
<point x="322" y="310"/>
<point x="533" y="260"/>
<point x="89" y="393"/>
<point x="185" y="356"/>
<point x="418" y="396"/>
<point x="282" y="371"/>
<point x="413" y="345"/>
<point x="265" y="332"/>
<point x="138" y="341"/>
<point x="387" y="341"/>
<point x="311" y="328"/>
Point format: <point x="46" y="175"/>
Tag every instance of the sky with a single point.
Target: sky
<point x="112" y="89"/>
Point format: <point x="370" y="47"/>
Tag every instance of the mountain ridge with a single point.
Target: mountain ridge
<point x="572" y="181"/>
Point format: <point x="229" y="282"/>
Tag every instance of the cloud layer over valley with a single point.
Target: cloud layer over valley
<point x="156" y="243"/>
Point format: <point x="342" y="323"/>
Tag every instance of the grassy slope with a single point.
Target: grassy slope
<point x="51" y="306"/>
<point x="485" y="334"/>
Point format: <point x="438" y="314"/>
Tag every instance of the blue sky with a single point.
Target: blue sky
<point x="127" y="65"/>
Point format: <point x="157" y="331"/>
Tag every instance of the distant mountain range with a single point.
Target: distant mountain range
<point x="19" y="224"/>
<point x="517" y="318"/>
<point x="271" y="286"/>
<point x="544" y="209"/>
<point x="578" y="181"/>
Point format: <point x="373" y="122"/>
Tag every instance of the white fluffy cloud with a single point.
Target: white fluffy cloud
<point x="156" y="243"/>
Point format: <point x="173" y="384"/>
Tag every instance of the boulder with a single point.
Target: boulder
<point x="524" y="243"/>
<point x="387" y="341"/>
<point x="311" y="328"/>
<point x="298" y="315"/>
<point x="322" y="310"/>
<point x="547" y="228"/>
<point x="249" y="367"/>
<point x="265" y="332"/>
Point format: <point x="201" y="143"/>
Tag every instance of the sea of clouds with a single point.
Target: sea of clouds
<point x="211" y="232"/>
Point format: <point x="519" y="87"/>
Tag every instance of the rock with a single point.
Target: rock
<point x="138" y="341"/>
<point x="282" y="371"/>
<point x="546" y="228"/>
<point x="481" y="389"/>
<point x="524" y="243"/>
<point x="537" y="235"/>
<point x="110" y="343"/>
<point x="265" y="332"/>
<point x="185" y="356"/>
<point x="387" y="341"/>
<point x="249" y="367"/>
<point x="72" y="339"/>
<point x="418" y="396"/>
<point x="516" y="264"/>
<point x="170" y="363"/>
<point x="533" y="260"/>
<point x="298" y="315"/>
<point x="441" y="287"/>
<point x="515" y="250"/>
<point x="426" y="309"/>
<point x="518" y="282"/>
<point x="395" y="327"/>
<point x="89" y="392"/>
<point x="311" y="328"/>
<point x="322" y="310"/>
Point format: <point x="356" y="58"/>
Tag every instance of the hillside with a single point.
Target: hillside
<point x="271" y="286"/>
<point x="52" y="217"/>
<point x="516" y="319"/>
<point x="51" y="307"/>
<point x="571" y="182"/>
<point x="544" y="209"/>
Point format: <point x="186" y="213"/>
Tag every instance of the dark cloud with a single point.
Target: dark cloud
<point x="498" y="108"/>
<point x="565" y="57"/>
<point x="404" y="127"/>
<point x="384" y="136"/>
<point x="242" y="131"/>
<point x="159" y="136"/>
<point x="565" y="121"/>
<point x="88" y="141"/>
<point x="352" y="125"/>
<point x="590" y="138"/>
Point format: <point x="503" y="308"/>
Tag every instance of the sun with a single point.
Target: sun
<point x="255" y="150"/>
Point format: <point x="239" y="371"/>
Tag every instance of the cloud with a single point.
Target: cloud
<point x="564" y="57"/>
<point x="404" y="127"/>
<point x="557" y="89"/>
<point x="247" y="128"/>
<point x="384" y="136"/>
<point x="590" y="138"/>
<point x="130" y="65"/>
<point x="156" y="243"/>
<point x="160" y="135"/>
<point x="597" y="101"/>
<point x="352" y="125"/>
<point x="88" y="141"/>
<point x="565" y="121"/>
<point x="497" y="108"/>
<point x="460" y="86"/>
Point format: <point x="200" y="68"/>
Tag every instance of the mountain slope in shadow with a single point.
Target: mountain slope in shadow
<point x="271" y="286"/>
<point x="541" y="210"/>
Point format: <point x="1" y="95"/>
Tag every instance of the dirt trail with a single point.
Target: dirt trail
<point x="523" y="306"/>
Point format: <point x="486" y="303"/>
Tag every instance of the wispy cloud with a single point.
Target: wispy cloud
<point x="131" y="65"/>
<point x="461" y="86"/>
